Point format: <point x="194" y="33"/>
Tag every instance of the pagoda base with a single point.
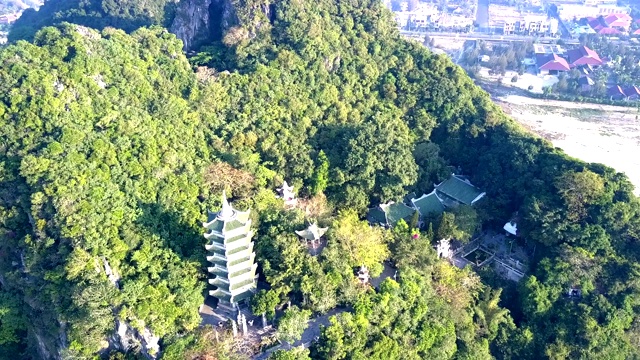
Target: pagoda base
<point x="227" y="308"/>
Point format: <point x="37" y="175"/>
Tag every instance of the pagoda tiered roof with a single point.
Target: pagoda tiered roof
<point x="231" y="253"/>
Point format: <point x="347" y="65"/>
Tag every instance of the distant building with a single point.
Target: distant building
<point x="632" y="93"/>
<point x="599" y="2"/>
<point x="586" y="83"/>
<point x="582" y="29"/>
<point x="620" y="21"/>
<point x="551" y="64"/>
<point x="616" y="93"/>
<point x="613" y="24"/>
<point x="583" y="56"/>
<point x="547" y="49"/>
<point x="579" y="11"/>
<point x="8" y="19"/>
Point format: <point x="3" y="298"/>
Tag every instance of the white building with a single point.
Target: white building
<point x="578" y="11"/>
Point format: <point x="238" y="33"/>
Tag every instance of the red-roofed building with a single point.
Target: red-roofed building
<point x="551" y="64"/>
<point x="621" y="21"/>
<point x="632" y="93"/>
<point x="608" y="31"/>
<point x="583" y="56"/>
<point x="637" y="32"/>
<point x="596" y="24"/>
<point x="616" y="93"/>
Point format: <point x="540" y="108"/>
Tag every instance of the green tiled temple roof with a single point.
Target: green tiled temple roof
<point x="376" y="216"/>
<point x="407" y="198"/>
<point x="242" y="296"/>
<point x="459" y="190"/>
<point x="397" y="211"/>
<point x="239" y="249"/>
<point x="428" y="204"/>
<point x="390" y="214"/>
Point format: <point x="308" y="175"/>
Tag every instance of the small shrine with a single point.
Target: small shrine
<point x="285" y="192"/>
<point x="363" y="275"/>
<point x="443" y="248"/>
<point x="312" y="236"/>
<point x="313" y="233"/>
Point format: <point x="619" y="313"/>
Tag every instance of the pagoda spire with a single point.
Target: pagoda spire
<point x="227" y="211"/>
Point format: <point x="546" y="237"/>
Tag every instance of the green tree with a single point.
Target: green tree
<point x="292" y="324"/>
<point x="321" y="174"/>
<point x="298" y="353"/>
<point x="579" y="189"/>
<point x="488" y="314"/>
<point x="265" y="303"/>
<point x="357" y="243"/>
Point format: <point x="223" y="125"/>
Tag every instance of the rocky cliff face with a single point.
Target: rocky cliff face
<point x="199" y="21"/>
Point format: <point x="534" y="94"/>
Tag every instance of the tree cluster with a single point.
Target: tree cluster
<point x="114" y="146"/>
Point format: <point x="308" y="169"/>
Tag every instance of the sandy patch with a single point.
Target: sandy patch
<point x="594" y="133"/>
<point x="537" y="82"/>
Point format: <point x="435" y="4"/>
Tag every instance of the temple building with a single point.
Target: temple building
<point x="428" y="204"/>
<point x="230" y="251"/>
<point x="458" y="190"/>
<point x="285" y="192"/>
<point x="388" y="215"/>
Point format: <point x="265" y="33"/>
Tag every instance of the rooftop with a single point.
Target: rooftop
<point x="428" y="204"/>
<point x="583" y="56"/>
<point x="552" y="62"/>
<point x="313" y="232"/>
<point x="615" y="91"/>
<point x="459" y="189"/>
<point x="548" y="49"/>
<point x="390" y="213"/>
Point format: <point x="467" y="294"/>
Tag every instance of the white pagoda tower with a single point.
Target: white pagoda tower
<point x="231" y="253"/>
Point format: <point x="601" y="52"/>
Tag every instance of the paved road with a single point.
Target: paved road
<point x="312" y="331"/>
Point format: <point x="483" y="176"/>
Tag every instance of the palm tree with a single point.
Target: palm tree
<point x="488" y="314"/>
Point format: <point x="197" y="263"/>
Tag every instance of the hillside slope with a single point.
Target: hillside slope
<point x="113" y="148"/>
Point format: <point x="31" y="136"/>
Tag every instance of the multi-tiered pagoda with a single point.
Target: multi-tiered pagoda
<point x="231" y="252"/>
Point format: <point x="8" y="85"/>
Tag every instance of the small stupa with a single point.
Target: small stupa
<point x="285" y="192"/>
<point x="363" y="275"/>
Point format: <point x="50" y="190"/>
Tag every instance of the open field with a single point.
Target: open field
<point x="590" y="132"/>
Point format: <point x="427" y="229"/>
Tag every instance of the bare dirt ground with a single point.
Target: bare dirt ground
<point x="594" y="133"/>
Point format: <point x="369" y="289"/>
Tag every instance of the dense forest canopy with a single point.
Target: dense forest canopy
<point x="114" y="145"/>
